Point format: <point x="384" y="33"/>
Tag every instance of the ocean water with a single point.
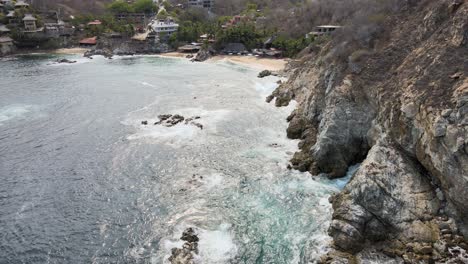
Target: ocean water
<point x="83" y="181"/>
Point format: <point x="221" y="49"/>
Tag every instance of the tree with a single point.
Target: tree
<point x="120" y="6"/>
<point x="144" y="6"/>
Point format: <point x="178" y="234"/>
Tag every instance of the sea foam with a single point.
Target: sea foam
<point x="14" y="111"/>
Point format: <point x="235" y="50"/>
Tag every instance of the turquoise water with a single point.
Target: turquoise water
<point x="82" y="180"/>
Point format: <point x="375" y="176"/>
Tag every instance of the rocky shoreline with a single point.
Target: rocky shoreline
<point x="400" y="109"/>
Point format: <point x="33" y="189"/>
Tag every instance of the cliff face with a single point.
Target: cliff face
<point x="400" y="108"/>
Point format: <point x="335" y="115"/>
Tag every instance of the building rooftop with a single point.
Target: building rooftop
<point x="5" y="39"/>
<point x="95" y="22"/>
<point x="3" y="28"/>
<point x="29" y="17"/>
<point x="328" y="26"/>
<point x="21" y="3"/>
<point x="89" y="41"/>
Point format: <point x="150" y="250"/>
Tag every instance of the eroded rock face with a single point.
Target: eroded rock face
<point x="388" y="194"/>
<point x="404" y="115"/>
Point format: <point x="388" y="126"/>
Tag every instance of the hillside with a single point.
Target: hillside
<point x="72" y="7"/>
<point x="394" y="99"/>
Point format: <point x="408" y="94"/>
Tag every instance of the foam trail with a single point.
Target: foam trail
<point x="14" y="111"/>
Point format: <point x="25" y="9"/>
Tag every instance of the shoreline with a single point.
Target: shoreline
<point x="253" y="62"/>
<point x="248" y="61"/>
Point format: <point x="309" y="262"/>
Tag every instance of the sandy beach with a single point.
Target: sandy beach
<point x="70" y="51"/>
<point x="250" y="61"/>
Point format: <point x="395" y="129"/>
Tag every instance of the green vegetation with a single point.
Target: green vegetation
<point x="139" y="6"/>
<point x="193" y="23"/>
<point x="109" y="24"/>
<point x="3" y="18"/>
<point x="291" y="46"/>
<point x="244" y="33"/>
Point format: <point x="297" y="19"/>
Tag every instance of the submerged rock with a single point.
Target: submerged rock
<point x="169" y="120"/>
<point x="65" y="61"/>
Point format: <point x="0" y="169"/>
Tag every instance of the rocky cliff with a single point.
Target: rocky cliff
<point x="400" y="108"/>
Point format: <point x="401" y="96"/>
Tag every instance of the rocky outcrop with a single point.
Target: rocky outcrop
<point x="65" y="61"/>
<point x="106" y="53"/>
<point x="169" y="120"/>
<point x="401" y="108"/>
<point x="185" y="255"/>
<point x="264" y="73"/>
<point x="204" y="54"/>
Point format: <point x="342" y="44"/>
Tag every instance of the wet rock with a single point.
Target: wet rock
<point x="264" y="73"/>
<point x="103" y="52"/>
<point x="185" y="255"/>
<point x="164" y="117"/>
<point x="296" y="126"/>
<point x="181" y="256"/>
<point x="65" y="61"/>
<point x="177" y="119"/>
<point x="197" y="125"/>
<point x="189" y="235"/>
<point x="269" y="98"/>
<point x="291" y="116"/>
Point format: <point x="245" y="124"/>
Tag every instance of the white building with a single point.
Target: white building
<point x="207" y="4"/>
<point x="164" y="26"/>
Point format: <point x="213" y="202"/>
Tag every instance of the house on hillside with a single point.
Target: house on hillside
<point x="206" y="4"/>
<point x="21" y="4"/>
<point x="3" y="30"/>
<point x="133" y="18"/>
<point x="323" y="30"/>
<point x="12" y="19"/>
<point x="206" y="37"/>
<point x="29" y="23"/>
<point x="5" y="4"/>
<point x="164" y="28"/>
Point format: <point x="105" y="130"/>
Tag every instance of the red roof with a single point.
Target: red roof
<point x="95" y="22"/>
<point x="88" y="41"/>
